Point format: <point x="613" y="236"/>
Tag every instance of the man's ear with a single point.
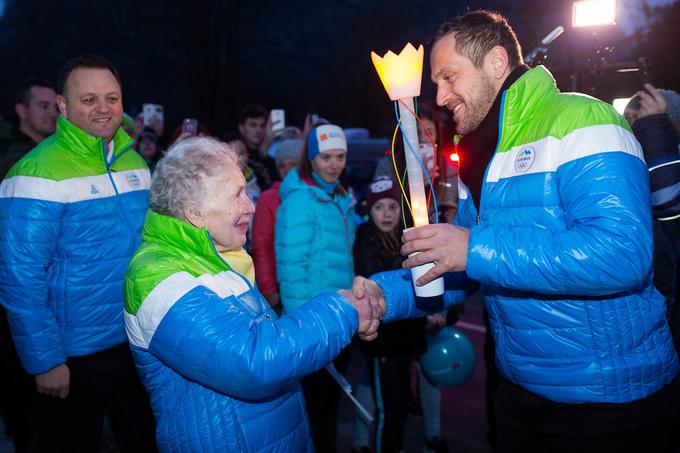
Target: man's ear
<point x="21" y="110"/>
<point x="61" y="104"/>
<point x="497" y="62"/>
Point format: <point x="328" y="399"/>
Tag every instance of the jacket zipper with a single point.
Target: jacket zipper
<point x="349" y="241"/>
<point x="108" y="166"/>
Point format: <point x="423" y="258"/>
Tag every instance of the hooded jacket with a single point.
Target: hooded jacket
<point x="70" y="221"/>
<point x="222" y="370"/>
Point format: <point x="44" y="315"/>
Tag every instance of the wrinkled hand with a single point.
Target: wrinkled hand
<point x="368" y="311"/>
<point x="651" y="102"/>
<point x="443" y="244"/>
<point x="55" y="382"/>
<point x="362" y="286"/>
<point x="434" y="322"/>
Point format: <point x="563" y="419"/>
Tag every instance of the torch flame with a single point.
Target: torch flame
<point x="400" y="74"/>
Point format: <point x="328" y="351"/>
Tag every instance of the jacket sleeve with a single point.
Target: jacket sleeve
<point x="216" y="343"/>
<point x="660" y="146"/>
<point x="293" y="243"/>
<point x="402" y="302"/>
<point x="263" y="244"/>
<point x="606" y="245"/>
<point x="29" y="234"/>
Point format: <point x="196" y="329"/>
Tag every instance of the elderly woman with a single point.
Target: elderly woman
<point x="222" y="370"/>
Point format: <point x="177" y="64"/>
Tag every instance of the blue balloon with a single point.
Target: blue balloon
<point x="450" y="358"/>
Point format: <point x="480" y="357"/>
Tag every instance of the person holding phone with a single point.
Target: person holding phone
<point x="654" y="116"/>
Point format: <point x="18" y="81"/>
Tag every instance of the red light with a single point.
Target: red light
<point x="454" y="157"/>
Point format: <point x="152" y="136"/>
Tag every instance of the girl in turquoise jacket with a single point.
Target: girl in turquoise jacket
<point x="316" y="223"/>
<point x="314" y="235"/>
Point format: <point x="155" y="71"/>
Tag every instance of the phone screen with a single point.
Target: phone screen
<point x="278" y="119"/>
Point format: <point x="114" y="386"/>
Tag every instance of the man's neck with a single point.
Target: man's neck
<point x="31" y="133"/>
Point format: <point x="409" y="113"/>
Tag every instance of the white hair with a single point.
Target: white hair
<point x="179" y="180"/>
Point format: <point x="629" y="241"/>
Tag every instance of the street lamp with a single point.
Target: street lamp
<point x="588" y="13"/>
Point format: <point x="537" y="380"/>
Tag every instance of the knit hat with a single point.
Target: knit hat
<point x="382" y="187"/>
<point x="325" y="138"/>
<point x="673" y="102"/>
<point x="289" y="149"/>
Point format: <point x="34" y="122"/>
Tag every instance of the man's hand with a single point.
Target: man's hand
<point x="362" y="286"/>
<point x="443" y="244"/>
<point x="651" y="102"/>
<point x="435" y="322"/>
<point x="55" y="382"/>
<point x="368" y="310"/>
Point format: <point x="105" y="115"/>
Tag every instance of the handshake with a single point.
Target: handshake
<point x="369" y="302"/>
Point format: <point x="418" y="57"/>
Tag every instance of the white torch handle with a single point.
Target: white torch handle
<point x="416" y="185"/>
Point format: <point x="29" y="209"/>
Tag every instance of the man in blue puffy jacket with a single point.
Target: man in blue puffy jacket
<point x="71" y="213"/>
<point x="554" y="223"/>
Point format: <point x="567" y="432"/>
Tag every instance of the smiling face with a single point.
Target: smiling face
<point x="330" y="164"/>
<point x="227" y="209"/>
<point x="385" y="214"/>
<point x="92" y="100"/>
<point x="467" y="91"/>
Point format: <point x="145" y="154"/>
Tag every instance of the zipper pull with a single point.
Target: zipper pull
<point x="477" y="219"/>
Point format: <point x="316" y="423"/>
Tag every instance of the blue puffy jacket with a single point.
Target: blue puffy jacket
<point x="562" y="247"/>
<point x="222" y="371"/>
<point x="314" y="236"/>
<point x="69" y="224"/>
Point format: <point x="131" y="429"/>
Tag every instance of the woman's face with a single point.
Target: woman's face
<point x="329" y="164"/>
<point x="385" y="214"/>
<point x="227" y="209"/>
<point x="148" y="147"/>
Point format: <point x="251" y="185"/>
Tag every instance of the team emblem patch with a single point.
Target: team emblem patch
<point x="525" y="159"/>
<point x="133" y="180"/>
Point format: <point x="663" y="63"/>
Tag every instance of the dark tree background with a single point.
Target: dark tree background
<point x="206" y="59"/>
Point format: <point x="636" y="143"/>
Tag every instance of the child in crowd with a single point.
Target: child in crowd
<point x="388" y="357"/>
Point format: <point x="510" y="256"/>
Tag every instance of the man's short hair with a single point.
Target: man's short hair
<point x="251" y="111"/>
<point x="477" y="32"/>
<point x="84" y="61"/>
<point x="23" y="95"/>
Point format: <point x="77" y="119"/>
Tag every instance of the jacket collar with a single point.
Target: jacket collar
<point x="525" y="96"/>
<point x="181" y="236"/>
<point x="84" y="143"/>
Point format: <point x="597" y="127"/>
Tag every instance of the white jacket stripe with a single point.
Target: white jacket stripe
<point x="142" y="326"/>
<point x="550" y="152"/>
<point x="75" y="189"/>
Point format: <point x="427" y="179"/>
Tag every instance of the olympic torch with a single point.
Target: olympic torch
<point x="401" y="76"/>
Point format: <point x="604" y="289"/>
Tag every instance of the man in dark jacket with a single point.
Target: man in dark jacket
<point x="648" y="114"/>
<point x="36" y="108"/>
